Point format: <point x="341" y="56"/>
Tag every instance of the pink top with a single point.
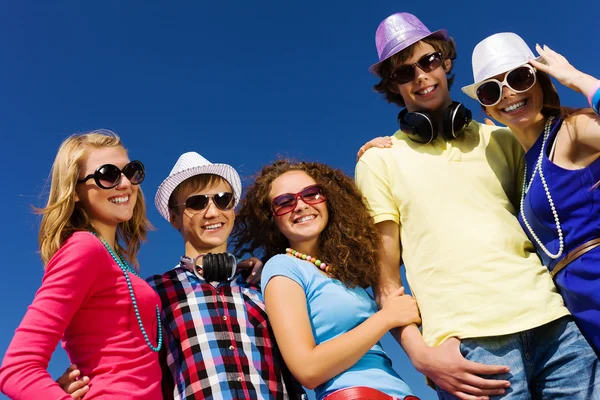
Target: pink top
<point x="85" y="300"/>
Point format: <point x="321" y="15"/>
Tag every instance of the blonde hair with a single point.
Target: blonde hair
<point x="62" y="216"/>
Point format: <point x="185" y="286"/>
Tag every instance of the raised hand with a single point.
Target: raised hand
<point x="560" y="68"/>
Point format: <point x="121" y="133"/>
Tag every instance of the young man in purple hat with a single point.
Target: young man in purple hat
<point x="443" y="196"/>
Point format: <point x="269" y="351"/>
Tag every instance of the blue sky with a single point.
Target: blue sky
<point x="238" y="82"/>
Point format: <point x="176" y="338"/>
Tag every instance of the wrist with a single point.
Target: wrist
<point x="594" y="96"/>
<point x="385" y="320"/>
<point x="421" y="360"/>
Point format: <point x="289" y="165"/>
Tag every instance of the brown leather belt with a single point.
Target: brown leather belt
<point x="362" y="393"/>
<point x="578" y="252"/>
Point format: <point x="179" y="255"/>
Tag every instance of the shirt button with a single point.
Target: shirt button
<point x="239" y="379"/>
<point x="231" y="348"/>
<point x="224" y="317"/>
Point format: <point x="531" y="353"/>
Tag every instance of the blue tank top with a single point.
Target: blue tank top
<point x="577" y="203"/>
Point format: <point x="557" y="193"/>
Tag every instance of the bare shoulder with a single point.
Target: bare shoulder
<point x="583" y="124"/>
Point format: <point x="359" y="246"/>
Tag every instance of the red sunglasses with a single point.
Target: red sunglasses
<point x="286" y="203"/>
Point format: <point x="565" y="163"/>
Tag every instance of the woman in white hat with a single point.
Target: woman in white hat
<point x="560" y="197"/>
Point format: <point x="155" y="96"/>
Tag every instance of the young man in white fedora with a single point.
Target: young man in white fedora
<point x="443" y="195"/>
<point x="217" y="337"/>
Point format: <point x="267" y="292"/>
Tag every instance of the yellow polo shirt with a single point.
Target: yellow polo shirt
<point x="469" y="264"/>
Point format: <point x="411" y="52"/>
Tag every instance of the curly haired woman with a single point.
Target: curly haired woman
<point x="91" y="296"/>
<point x="326" y="325"/>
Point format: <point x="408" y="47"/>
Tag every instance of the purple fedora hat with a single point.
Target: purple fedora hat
<point x="397" y="32"/>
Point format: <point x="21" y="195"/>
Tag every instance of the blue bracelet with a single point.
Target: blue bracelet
<point x="595" y="103"/>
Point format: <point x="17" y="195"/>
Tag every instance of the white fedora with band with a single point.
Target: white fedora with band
<point x="496" y="55"/>
<point x="188" y="165"/>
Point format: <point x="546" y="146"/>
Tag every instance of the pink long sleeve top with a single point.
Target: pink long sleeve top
<point x="84" y="299"/>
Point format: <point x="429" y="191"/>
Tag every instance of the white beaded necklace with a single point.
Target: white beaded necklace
<point x="538" y="168"/>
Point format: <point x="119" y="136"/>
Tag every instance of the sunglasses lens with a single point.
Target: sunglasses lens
<point x="313" y="195"/>
<point x="283" y="204"/>
<point x="197" y="203"/>
<point x="427" y="63"/>
<point x="134" y="171"/>
<point x="489" y="93"/>
<point x="521" y="79"/>
<point x="430" y="62"/>
<point x="223" y="201"/>
<point x="108" y="176"/>
<point x="404" y="74"/>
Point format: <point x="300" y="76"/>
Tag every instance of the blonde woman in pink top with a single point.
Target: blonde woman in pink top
<point x="91" y="295"/>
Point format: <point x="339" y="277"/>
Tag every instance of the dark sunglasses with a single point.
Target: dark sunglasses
<point x="108" y="176"/>
<point x="519" y="80"/>
<point x="223" y="201"/>
<point x="286" y="202"/>
<point x="427" y="63"/>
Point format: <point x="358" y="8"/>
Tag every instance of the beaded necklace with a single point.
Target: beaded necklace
<point x="125" y="267"/>
<point x="538" y="168"/>
<point x="318" y="263"/>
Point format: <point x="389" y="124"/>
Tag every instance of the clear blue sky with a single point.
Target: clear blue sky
<point x="238" y="81"/>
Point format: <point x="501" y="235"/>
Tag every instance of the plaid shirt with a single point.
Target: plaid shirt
<point x="218" y="341"/>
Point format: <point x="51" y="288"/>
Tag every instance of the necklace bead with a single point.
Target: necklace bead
<point x="538" y="169"/>
<point x="126" y="268"/>
<point x="318" y="263"/>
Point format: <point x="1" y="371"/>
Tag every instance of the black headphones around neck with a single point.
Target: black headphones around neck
<point x="421" y="127"/>
<point x="216" y="267"/>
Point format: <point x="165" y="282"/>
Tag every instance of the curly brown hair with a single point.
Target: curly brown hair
<point x="350" y="242"/>
<point x="388" y="88"/>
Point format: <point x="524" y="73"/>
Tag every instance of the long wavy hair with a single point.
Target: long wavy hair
<point x="63" y="216"/>
<point x="350" y="242"/>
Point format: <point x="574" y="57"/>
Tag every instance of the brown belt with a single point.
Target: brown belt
<point x="362" y="393"/>
<point x="578" y="252"/>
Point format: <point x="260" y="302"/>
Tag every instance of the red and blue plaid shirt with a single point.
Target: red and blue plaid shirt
<point x="218" y="343"/>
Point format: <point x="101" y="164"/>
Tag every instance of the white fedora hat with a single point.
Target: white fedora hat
<point x="192" y="164"/>
<point x="496" y="55"/>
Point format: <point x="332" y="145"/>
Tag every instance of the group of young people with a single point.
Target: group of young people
<point x="498" y="229"/>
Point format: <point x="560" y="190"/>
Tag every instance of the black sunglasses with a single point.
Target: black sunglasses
<point x="108" y="176"/>
<point x="427" y="63"/>
<point x="198" y="202"/>
<point x="286" y="203"/>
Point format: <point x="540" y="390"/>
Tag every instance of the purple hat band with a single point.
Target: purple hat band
<point x="397" y="32"/>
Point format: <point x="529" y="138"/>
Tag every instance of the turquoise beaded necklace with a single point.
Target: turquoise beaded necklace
<point x="125" y="267"/>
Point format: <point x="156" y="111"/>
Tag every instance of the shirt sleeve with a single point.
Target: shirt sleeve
<point x="67" y="284"/>
<point x="283" y="265"/>
<point x="375" y="185"/>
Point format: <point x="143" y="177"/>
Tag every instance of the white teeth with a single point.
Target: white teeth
<point x="119" y="200"/>
<point x="305" y="218"/>
<point x="515" y="106"/>
<point x="213" y="226"/>
<point x="426" y="90"/>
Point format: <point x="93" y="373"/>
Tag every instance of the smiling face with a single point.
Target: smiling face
<point x="303" y="225"/>
<point x="106" y="208"/>
<point x="518" y="111"/>
<point x="428" y="91"/>
<point x="207" y="230"/>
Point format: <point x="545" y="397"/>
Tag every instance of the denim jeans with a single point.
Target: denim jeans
<point x="552" y="361"/>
